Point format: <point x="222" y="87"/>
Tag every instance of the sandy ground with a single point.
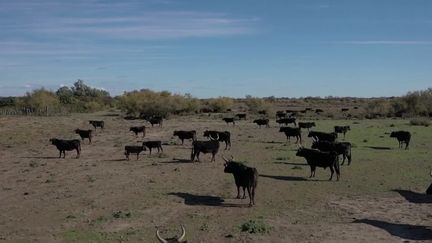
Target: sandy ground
<point x="101" y="197"/>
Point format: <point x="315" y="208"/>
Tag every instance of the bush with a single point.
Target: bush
<point x="221" y="104"/>
<point x="255" y="226"/>
<point x="7" y="101"/>
<point x="377" y="108"/>
<point x="414" y="103"/>
<point x="92" y="106"/>
<point x="148" y="103"/>
<point x="39" y="99"/>
<point x="420" y="122"/>
<point x="255" y="104"/>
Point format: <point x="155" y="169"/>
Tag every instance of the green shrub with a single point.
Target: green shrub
<point x="39" y="99"/>
<point x="255" y="226"/>
<point x="255" y="104"/>
<point x="147" y="102"/>
<point x="221" y="104"/>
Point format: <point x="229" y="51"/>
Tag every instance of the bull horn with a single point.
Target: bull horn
<point x="223" y="157"/>
<point x="183" y="234"/>
<point x="162" y="240"/>
<point x="232" y="157"/>
<point x="214" y="139"/>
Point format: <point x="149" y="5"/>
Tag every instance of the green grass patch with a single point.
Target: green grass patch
<point x="256" y="227"/>
<point x="83" y="236"/>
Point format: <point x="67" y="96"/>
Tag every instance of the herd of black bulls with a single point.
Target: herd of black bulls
<point x="324" y="152"/>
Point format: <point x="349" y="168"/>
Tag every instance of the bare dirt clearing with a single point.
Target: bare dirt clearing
<point x="101" y="197"/>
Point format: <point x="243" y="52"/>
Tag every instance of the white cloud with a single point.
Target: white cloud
<point x="148" y="25"/>
<point x="384" y="42"/>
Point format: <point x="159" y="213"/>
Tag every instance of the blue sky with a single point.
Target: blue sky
<point x="218" y="48"/>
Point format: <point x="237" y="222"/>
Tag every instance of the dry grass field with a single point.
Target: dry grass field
<point x="101" y="197"/>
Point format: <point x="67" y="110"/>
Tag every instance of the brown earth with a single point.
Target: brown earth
<point x="101" y="197"/>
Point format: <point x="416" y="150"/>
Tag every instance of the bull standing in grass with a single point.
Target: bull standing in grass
<point x="205" y="147"/>
<point x="244" y="176"/>
<point x="66" y="145"/>
<point x="403" y="137"/>
<point x="316" y="158"/>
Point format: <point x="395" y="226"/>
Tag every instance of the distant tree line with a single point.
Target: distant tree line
<point x="78" y="98"/>
<point x="417" y="103"/>
<point x="83" y="98"/>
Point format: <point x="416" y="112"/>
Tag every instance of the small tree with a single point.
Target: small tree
<point x="66" y="95"/>
<point x="221" y="104"/>
<point x="256" y="104"/>
<point x="40" y="99"/>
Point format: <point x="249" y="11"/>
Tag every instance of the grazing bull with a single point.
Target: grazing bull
<point x="156" y="120"/>
<point x="221" y="137"/>
<point x="292" y="132"/>
<point x="342" y="129"/>
<point x="292" y="113"/>
<point x="130" y="149"/>
<point x="287" y="121"/>
<point x="307" y="125"/>
<point x="229" y="120"/>
<point x="205" y="147"/>
<point x="182" y="135"/>
<point x="323" y="136"/>
<point x="429" y="190"/>
<point x="206" y="110"/>
<point x="241" y="116"/>
<point x="153" y="144"/>
<point x="84" y="134"/>
<point x="316" y="158"/>
<point x="262" y="122"/>
<point x="280" y="114"/>
<point x="244" y="176"/>
<point x="66" y="145"/>
<point x="345" y="109"/>
<point x="139" y="129"/>
<point x="319" y="111"/>
<point x="262" y="112"/>
<point x="341" y="148"/>
<point x="402" y="137"/>
<point x="97" y="124"/>
<point x="174" y="239"/>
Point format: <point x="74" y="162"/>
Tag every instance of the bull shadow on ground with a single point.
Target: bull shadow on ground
<point x="42" y="157"/>
<point x="404" y="231"/>
<point x="285" y="178"/>
<point x="177" y="161"/>
<point x="119" y="160"/>
<point x="378" y="148"/>
<point x="414" y="197"/>
<point x="271" y="142"/>
<point x="289" y="163"/>
<point x="110" y="114"/>
<point x="200" y="200"/>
